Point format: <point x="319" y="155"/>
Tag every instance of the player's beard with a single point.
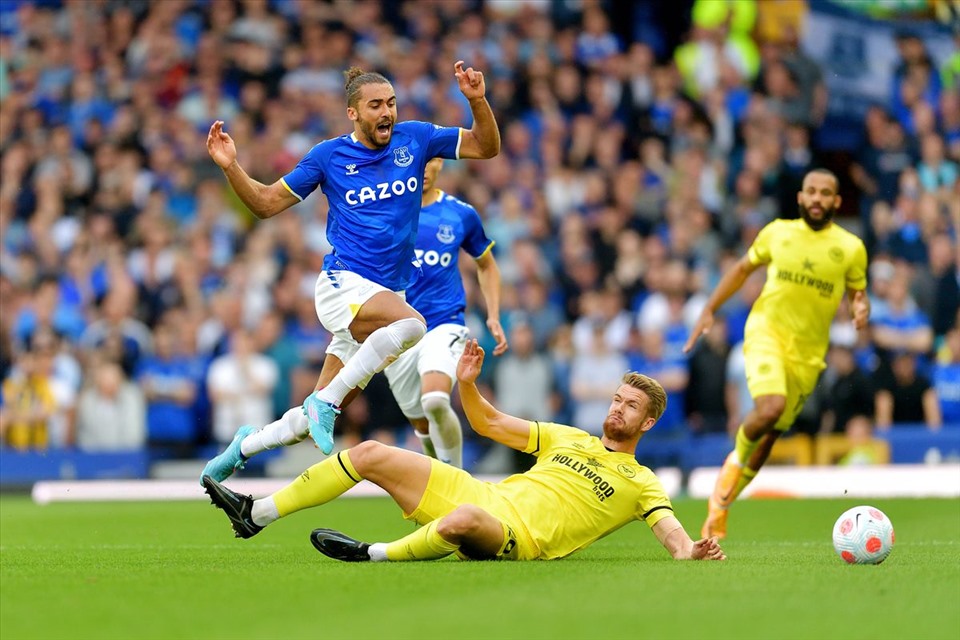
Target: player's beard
<point x="615" y="430"/>
<point x="370" y="131"/>
<point x="816" y="225"/>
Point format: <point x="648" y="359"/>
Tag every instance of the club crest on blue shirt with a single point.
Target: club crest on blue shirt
<point x="445" y="234"/>
<point x="402" y="157"/>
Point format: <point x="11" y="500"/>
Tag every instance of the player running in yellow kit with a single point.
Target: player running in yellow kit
<point x="811" y="262"/>
<point x="581" y="488"/>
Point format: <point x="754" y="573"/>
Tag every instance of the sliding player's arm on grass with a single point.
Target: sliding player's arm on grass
<point x="486" y="419"/>
<point x="674" y="539"/>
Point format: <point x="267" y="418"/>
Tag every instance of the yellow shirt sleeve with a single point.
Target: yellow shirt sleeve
<point x="857" y="273"/>
<point x="759" y="252"/>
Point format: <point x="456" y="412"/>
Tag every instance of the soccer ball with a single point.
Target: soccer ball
<point x="863" y="535"/>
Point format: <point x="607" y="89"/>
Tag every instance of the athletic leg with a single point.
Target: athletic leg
<point x="386" y="326"/>
<point x="735" y="474"/>
<point x="468" y="529"/>
<point x="443" y="424"/>
<point x="402" y="474"/>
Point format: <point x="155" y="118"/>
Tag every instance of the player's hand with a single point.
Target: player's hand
<point x="497" y="332"/>
<point x="702" y="328"/>
<point x="707" y="549"/>
<point x="470" y="80"/>
<point x="861" y="310"/>
<point x="220" y="146"/>
<point x="470" y="362"/>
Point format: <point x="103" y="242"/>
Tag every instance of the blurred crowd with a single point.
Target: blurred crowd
<point x="644" y="146"/>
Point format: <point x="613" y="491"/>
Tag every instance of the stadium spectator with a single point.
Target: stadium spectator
<point x="117" y="330"/>
<point x="593" y="368"/>
<point x="936" y="287"/>
<point x="849" y="390"/>
<point x="898" y="324"/>
<point x="38" y="407"/>
<point x="270" y="340"/>
<point x="706" y="393"/>
<point x="908" y="396"/>
<point x="862" y="446"/>
<point x="170" y="389"/>
<point x="111" y="412"/>
<point x="946" y="377"/>
<point x="240" y="384"/>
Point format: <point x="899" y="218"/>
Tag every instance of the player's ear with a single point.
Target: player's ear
<point x="837" y="201"/>
<point x="352" y="114"/>
<point x="648" y="424"/>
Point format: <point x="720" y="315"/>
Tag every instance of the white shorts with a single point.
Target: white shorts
<point x="439" y="350"/>
<point x="338" y="298"/>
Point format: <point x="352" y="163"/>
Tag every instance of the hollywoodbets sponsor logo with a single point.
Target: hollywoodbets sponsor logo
<point x="823" y="286"/>
<point x="600" y="486"/>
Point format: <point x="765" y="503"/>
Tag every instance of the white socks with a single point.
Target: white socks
<point x="264" y="511"/>
<point x="445" y="433"/>
<point x="426" y="445"/>
<point x="291" y="428"/>
<point x="378" y="552"/>
<point x="380" y="349"/>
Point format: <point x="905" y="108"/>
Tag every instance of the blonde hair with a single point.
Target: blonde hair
<point x="354" y="78"/>
<point x="656" y="396"/>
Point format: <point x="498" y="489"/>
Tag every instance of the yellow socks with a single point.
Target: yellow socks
<point x="744" y="447"/>
<point x="318" y="485"/>
<point x="423" y="544"/>
<point x="746" y="477"/>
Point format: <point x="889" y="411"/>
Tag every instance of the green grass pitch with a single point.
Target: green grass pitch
<point x="174" y="570"/>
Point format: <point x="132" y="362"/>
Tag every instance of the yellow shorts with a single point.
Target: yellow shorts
<point x="449" y="488"/>
<point x="769" y="372"/>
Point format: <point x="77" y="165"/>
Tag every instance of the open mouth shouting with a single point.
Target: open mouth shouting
<point x="384" y="128"/>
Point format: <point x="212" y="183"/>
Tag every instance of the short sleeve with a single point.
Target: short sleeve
<point x="654" y="504"/>
<point x="544" y="435"/>
<point x="759" y="252"/>
<point x="475" y="240"/>
<point x="857" y="272"/>
<point x="440" y="142"/>
<point x="306" y="176"/>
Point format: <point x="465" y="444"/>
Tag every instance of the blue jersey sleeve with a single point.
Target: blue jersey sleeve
<point x="475" y="240"/>
<point x="307" y="175"/>
<point x="440" y="142"/>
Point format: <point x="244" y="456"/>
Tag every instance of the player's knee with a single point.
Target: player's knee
<point x="409" y="331"/>
<point x="460" y="522"/>
<point x="770" y="408"/>
<point x="368" y="456"/>
<point x="435" y="403"/>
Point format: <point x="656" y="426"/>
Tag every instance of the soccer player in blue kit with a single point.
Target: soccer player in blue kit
<point x="373" y="181"/>
<point x="423" y="377"/>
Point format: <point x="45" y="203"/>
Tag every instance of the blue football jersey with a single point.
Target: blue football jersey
<point x="374" y="197"/>
<point x="445" y="226"/>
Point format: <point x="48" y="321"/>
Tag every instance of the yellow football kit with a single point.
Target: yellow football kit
<point x="576" y="493"/>
<point x="788" y="329"/>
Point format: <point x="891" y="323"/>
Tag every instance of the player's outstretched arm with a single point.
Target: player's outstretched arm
<point x="674" y="539"/>
<point x="729" y="284"/>
<point x="262" y="200"/>
<point x="488" y="275"/>
<point x="483" y="416"/>
<point x="482" y="141"/>
<point x="859" y="308"/>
